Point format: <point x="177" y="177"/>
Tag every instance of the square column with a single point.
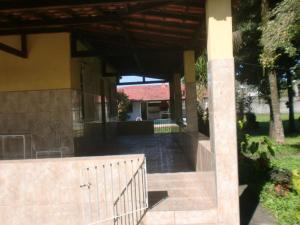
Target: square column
<point x="190" y="90"/>
<point x="113" y="92"/>
<point x="222" y="112"/>
<point x="177" y="98"/>
<point x="171" y="102"/>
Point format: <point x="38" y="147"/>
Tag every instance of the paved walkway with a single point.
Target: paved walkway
<point x="162" y="151"/>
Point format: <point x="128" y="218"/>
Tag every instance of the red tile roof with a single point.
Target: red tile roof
<point x="146" y="92"/>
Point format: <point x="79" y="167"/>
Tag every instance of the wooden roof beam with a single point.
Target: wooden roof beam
<point x="131" y="45"/>
<point x="23" y="53"/>
<point x="31" y="5"/>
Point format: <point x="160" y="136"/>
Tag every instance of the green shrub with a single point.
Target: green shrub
<point x="203" y="121"/>
<point x="286" y="208"/>
<point x="282" y="179"/>
<point x="251" y="123"/>
<point x="260" y="151"/>
<point x="296" y="181"/>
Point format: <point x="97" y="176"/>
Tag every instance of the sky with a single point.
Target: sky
<point x="132" y="78"/>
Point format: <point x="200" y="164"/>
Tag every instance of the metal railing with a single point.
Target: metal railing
<point x="4" y="137"/>
<point x="165" y="126"/>
<point x="115" y="193"/>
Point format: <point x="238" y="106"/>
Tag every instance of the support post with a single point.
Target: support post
<point x="222" y="112"/>
<point x="103" y="103"/>
<point x="190" y="91"/>
<point x="177" y="98"/>
<point x="171" y="90"/>
<point x="114" y="104"/>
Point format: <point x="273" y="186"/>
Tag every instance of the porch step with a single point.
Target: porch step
<point x="179" y="199"/>
<point x="174" y="181"/>
<point x="201" y="217"/>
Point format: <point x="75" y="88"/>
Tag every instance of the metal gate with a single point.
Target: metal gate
<point x="115" y="193"/>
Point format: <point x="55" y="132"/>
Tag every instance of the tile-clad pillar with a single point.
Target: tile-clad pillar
<point x="114" y="104"/>
<point x="177" y="98"/>
<point x="222" y="113"/>
<point x="171" y="101"/>
<point x="103" y="108"/>
<point x="190" y="90"/>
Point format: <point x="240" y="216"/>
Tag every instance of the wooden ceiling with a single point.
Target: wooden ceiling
<point x="136" y="36"/>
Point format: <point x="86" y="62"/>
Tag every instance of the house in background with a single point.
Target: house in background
<point x="149" y="102"/>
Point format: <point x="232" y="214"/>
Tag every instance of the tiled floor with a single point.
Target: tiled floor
<point x="162" y="151"/>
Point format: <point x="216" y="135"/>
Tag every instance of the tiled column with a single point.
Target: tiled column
<point x="177" y="98"/>
<point x="103" y="108"/>
<point x="190" y="90"/>
<point x="222" y="108"/>
<point x="114" y="104"/>
<point x="171" y="90"/>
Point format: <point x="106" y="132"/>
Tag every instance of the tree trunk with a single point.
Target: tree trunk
<point x="292" y="126"/>
<point x="276" y="129"/>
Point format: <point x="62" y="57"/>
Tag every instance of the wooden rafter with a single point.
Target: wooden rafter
<point x="19" y="6"/>
<point x="23" y="53"/>
<point x="131" y="46"/>
<point x="152" y="29"/>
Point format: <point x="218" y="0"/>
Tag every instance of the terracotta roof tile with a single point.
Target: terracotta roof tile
<point x="146" y="92"/>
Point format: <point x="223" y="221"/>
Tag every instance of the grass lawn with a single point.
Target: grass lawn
<point x="285" y="209"/>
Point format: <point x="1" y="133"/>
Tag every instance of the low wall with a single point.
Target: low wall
<point x="135" y="127"/>
<point x="93" y="138"/>
<point x="260" y="107"/>
<point x="47" y="191"/>
<point x="198" y="151"/>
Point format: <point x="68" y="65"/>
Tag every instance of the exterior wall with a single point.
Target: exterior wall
<point x="42" y="96"/>
<point x="45" y="114"/>
<point x="153" y="110"/>
<point x="136" y="111"/>
<point x="47" y="66"/>
<point x="36" y="96"/>
<point x="260" y="107"/>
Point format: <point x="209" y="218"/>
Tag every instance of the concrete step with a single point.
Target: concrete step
<point x="179" y="199"/>
<point x="174" y="176"/>
<point x="181" y="204"/>
<point x="201" y="217"/>
<point x="177" y="192"/>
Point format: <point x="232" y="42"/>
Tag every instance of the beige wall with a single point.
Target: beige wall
<point x="47" y="192"/>
<point x="47" y="65"/>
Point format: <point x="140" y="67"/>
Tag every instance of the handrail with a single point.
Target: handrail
<point x="113" y="192"/>
<point x="129" y="184"/>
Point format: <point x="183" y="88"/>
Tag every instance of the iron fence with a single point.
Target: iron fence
<point x="115" y="193"/>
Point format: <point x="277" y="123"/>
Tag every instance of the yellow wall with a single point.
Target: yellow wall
<point x="47" y="67"/>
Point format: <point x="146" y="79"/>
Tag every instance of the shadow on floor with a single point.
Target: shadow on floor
<point x="155" y="197"/>
<point x="251" y="212"/>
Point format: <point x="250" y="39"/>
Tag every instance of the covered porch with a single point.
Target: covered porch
<point x="61" y="63"/>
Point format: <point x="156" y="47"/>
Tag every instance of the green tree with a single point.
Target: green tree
<point x="123" y="106"/>
<point x="201" y="76"/>
<point x="280" y="27"/>
<point x="261" y="24"/>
